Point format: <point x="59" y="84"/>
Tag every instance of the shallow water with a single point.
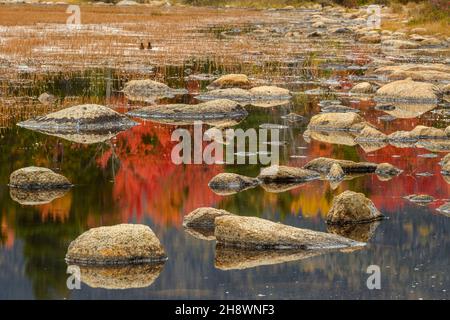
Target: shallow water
<point x="131" y="178"/>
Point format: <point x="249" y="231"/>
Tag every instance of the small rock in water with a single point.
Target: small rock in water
<point x="37" y="178"/>
<point x="292" y="117"/>
<point x="370" y="134"/>
<point x="336" y="173"/>
<point x="349" y="121"/>
<point x="230" y="183"/>
<point x="428" y="155"/>
<point x="363" y="87"/>
<point x="357" y="231"/>
<point x="149" y="90"/>
<point x="203" y="217"/>
<point x="352" y="207"/>
<point x="119" y="244"/>
<point x="46" y="98"/>
<point x="272" y="126"/>
<point x="409" y="90"/>
<point x="231" y="81"/>
<point x="387" y="170"/>
<point x="337" y="108"/>
<point x="420" y="198"/>
<point x="323" y="165"/>
<point x="424" y="174"/>
<point x="287" y="174"/>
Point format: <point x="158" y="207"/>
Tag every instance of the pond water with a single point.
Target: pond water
<point x="131" y="178"/>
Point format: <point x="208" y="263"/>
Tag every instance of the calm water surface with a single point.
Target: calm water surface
<point x="131" y="178"/>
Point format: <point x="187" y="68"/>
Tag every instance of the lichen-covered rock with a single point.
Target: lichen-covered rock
<point x="370" y="134"/>
<point x="215" y="109"/>
<point x="323" y="165"/>
<point x="287" y="174"/>
<point x="252" y="232"/>
<point x="336" y="173"/>
<point x="149" y="90"/>
<point x="229" y="183"/>
<point x="408" y="90"/>
<point x="121" y="276"/>
<point x="387" y="170"/>
<point x="230" y="81"/>
<point x="349" y="121"/>
<point x="203" y="217"/>
<point x="362" y="87"/>
<point x="81" y="118"/>
<point x="352" y="207"/>
<point x="119" y="244"/>
<point x="38" y="178"/>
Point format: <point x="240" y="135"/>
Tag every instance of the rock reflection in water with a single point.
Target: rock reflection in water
<point x="35" y="197"/>
<point x="359" y="232"/>
<point x="120" y="277"/>
<point x="84" y="137"/>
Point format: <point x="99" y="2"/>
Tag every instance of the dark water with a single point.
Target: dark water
<point x="131" y="178"/>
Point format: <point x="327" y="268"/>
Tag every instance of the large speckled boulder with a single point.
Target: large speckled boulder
<point x="285" y="173"/>
<point x="149" y="90"/>
<point x="408" y="90"/>
<point x="348" y="121"/>
<point x="352" y="207"/>
<point x="252" y="232"/>
<point x="230" y="81"/>
<point x="230" y="183"/>
<point x="121" y="276"/>
<point x="37" y="178"/>
<point x="216" y="109"/>
<point x="81" y="118"/>
<point x="119" y="244"/>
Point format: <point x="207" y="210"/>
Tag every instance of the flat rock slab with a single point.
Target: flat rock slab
<point x="119" y="244"/>
<point x="351" y="207"/>
<point x="252" y="232"/>
<point x="81" y="118"/>
<point x="408" y="90"/>
<point x="278" y="173"/>
<point x="35" y="178"/>
<point x="230" y="183"/>
<point x="346" y="121"/>
<point x="323" y="165"/>
<point x="216" y="109"/>
<point x="256" y="94"/>
<point x="149" y="90"/>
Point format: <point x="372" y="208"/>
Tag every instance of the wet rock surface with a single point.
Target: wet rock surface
<point x="252" y="232"/>
<point x="230" y="183"/>
<point x="33" y="178"/>
<point x="351" y="207"/>
<point x="81" y="118"/>
<point x="119" y="244"/>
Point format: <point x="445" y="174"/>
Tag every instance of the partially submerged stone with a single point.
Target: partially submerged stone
<point x="362" y="87"/>
<point x="229" y="183"/>
<point x="149" y="90"/>
<point x="336" y="173"/>
<point x="254" y="95"/>
<point x="323" y="165"/>
<point x="352" y="207"/>
<point x="332" y="137"/>
<point x="46" y="98"/>
<point x="423" y="132"/>
<point x="38" y="178"/>
<point x="119" y="244"/>
<point x="276" y="173"/>
<point x="235" y="94"/>
<point x="257" y="233"/>
<point x="121" y="276"/>
<point x="420" y="198"/>
<point x="215" y="109"/>
<point x="370" y="134"/>
<point x="332" y="108"/>
<point x="349" y="121"/>
<point x="231" y="81"/>
<point x="203" y="217"/>
<point x="387" y="170"/>
<point x="27" y="197"/>
<point x="408" y="90"/>
<point x="81" y="118"/>
<point x="269" y="92"/>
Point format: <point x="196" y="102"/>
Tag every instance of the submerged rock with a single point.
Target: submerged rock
<point x="149" y="90"/>
<point x="286" y="174"/>
<point x="362" y="232"/>
<point x="362" y="87"/>
<point x="29" y="197"/>
<point x="387" y="170"/>
<point x="408" y="90"/>
<point x="230" y="183"/>
<point x="38" y="178"/>
<point x="230" y="81"/>
<point x="252" y="232"/>
<point x="420" y="198"/>
<point x="119" y="244"/>
<point x="323" y="165"/>
<point x="215" y="109"/>
<point x="348" y="121"/>
<point x="203" y="217"/>
<point x="81" y="118"/>
<point x="120" y="277"/>
<point x="352" y="207"/>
